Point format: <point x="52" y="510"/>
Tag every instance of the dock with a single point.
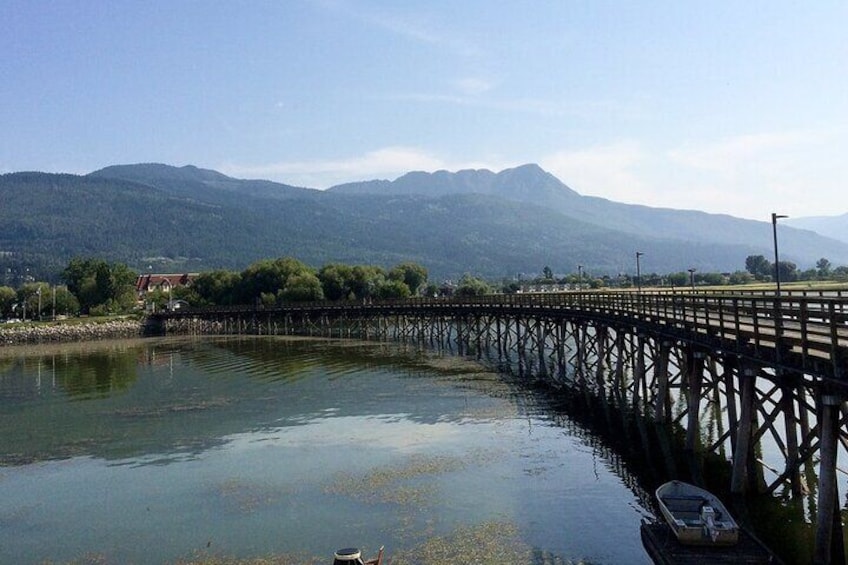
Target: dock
<point x="662" y="546"/>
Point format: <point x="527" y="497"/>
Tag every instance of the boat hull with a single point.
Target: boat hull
<point x="696" y="516"/>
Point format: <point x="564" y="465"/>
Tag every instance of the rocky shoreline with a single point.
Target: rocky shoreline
<point x="30" y="334"/>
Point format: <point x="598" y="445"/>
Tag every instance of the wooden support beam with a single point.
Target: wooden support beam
<point x="790" y="420"/>
<point x="741" y="453"/>
<point x="695" y="378"/>
<point x="662" y="401"/>
<point x="828" y="492"/>
<point x="541" y="338"/>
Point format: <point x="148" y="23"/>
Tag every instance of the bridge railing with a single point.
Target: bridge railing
<point x="811" y="325"/>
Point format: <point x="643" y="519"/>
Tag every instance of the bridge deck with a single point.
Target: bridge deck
<point x="799" y="332"/>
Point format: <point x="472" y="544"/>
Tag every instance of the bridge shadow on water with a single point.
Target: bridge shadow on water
<point x="646" y="454"/>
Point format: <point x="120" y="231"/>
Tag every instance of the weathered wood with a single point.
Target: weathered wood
<point x="662" y="401"/>
<point x="828" y="494"/>
<point x="739" y="477"/>
<point x="696" y="375"/>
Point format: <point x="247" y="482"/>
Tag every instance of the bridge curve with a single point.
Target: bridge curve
<point x="804" y="332"/>
<point x="765" y="368"/>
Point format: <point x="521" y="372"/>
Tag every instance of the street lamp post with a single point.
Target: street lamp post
<point x="692" y="278"/>
<point x="774" y="218"/>
<point x="579" y="277"/>
<point x="638" y="272"/>
<point x="38" y="292"/>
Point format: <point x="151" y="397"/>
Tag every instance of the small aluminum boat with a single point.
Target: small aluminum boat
<point x="696" y="516"/>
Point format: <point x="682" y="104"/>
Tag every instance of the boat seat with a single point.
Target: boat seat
<point x="678" y="504"/>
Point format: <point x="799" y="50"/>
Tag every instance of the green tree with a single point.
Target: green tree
<point x="269" y="276"/>
<point x="472" y="286"/>
<point x="8" y="297"/>
<point x="788" y="271"/>
<point x="680" y="278"/>
<point x="711" y="279"/>
<point x="218" y="287"/>
<point x="547" y="273"/>
<point x="336" y="280"/>
<point x="741" y="277"/>
<point x="97" y="284"/>
<point x="823" y="268"/>
<point x="393" y="288"/>
<point x="411" y="274"/>
<point x="510" y="287"/>
<point x="365" y="280"/>
<point x="66" y="303"/>
<point x="303" y="287"/>
<point x="36" y="298"/>
<point x="758" y="266"/>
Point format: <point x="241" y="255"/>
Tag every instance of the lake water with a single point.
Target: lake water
<point x="217" y="450"/>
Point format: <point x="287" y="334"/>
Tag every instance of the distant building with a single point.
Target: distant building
<point x="164" y="282"/>
<point x="547" y="287"/>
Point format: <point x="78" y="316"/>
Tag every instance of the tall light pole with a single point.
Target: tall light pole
<point x="692" y="278"/>
<point x="579" y="277"/>
<point x="774" y="218"/>
<point x="638" y="272"/>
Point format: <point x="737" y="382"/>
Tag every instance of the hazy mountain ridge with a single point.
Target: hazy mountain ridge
<point x="531" y="184"/>
<point x="481" y="222"/>
<point x="828" y="226"/>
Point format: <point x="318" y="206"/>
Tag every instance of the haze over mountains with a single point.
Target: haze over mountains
<point x="489" y="224"/>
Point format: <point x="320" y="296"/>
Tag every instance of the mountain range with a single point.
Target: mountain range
<point x="165" y="218"/>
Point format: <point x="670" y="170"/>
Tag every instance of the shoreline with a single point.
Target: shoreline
<point x="34" y="334"/>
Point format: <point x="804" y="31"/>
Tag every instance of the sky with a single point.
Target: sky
<point x="728" y="107"/>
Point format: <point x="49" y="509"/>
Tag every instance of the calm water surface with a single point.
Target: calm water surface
<point x="182" y="449"/>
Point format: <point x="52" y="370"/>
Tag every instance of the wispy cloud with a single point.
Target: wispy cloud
<point x="745" y="175"/>
<point x="415" y="26"/>
<point x="732" y="154"/>
<point x="473" y="86"/>
<point x="384" y="163"/>
<point x="608" y="171"/>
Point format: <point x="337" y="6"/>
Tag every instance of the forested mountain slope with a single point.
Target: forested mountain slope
<point x="190" y="219"/>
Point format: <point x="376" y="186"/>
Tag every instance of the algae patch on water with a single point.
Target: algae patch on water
<point x="243" y="497"/>
<point x="396" y="484"/>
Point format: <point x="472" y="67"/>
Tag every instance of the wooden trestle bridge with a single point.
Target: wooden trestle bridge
<point x="775" y="368"/>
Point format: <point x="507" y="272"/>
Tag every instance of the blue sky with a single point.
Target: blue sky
<point x="728" y="107"/>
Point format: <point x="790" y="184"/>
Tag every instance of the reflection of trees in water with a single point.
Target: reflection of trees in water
<point x="164" y="400"/>
<point x="97" y="374"/>
<point x="275" y="358"/>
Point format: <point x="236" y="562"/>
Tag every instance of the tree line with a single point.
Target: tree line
<point x="96" y="287"/>
<point x="757" y="269"/>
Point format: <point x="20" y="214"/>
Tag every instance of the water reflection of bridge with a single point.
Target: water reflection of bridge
<point x="734" y="370"/>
